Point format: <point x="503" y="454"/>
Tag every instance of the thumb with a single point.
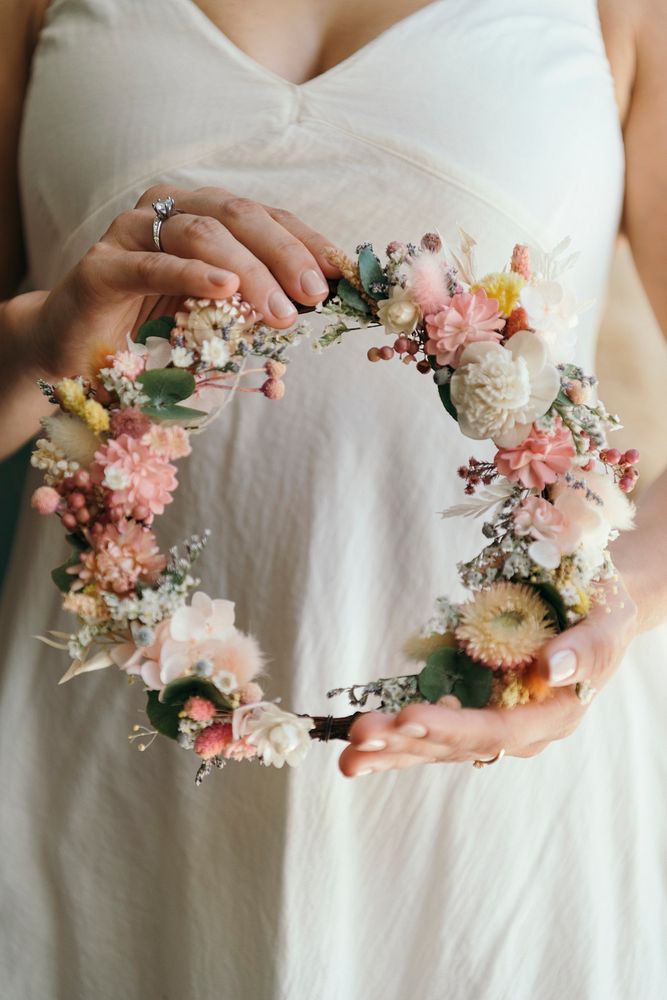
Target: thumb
<point x="572" y="657"/>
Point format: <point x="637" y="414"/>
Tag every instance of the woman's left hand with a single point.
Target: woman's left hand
<point x="420" y="734"/>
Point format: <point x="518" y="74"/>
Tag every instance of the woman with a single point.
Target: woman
<point x="536" y="878"/>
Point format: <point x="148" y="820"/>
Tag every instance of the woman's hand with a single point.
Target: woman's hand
<point x="421" y="734"/>
<point x="217" y="244"/>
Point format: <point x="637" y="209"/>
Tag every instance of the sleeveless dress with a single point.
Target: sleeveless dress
<point x="540" y="878"/>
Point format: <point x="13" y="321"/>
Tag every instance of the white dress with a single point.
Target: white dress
<point x="531" y="880"/>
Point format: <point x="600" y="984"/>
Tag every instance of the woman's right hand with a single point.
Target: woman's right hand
<point x="216" y="244"/>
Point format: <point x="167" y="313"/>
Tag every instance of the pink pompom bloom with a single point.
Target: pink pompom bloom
<point x="169" y="442"/>
<point x="137" y="477"/>
<point x="539" y="460"/>
<point x="429" y="281"/>
<point x="122" y="555"/>
<point x="212" y="741"/>
<point x="199" y="709"/>
<point x="45" y="500"/>
<point x="129" y="421"/>
<point x="465" y="319"/>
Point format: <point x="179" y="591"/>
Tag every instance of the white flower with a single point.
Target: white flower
<point x="499" y="391"/>
<point x="280" y="737"/>
<point x="215" y="353"/>
<point x="116" y="478"/>
<point x="552" y="312"/>
<point x="156" y="351"/>
<point x="204" y="619"/>
<point x="72" y="437"/>
<point x="181" y="357"/>
<point x="399" y="313"/>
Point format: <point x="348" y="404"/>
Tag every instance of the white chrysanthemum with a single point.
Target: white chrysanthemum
<point x="215" y="353"/>
<point x="399" y="313"/>
<point x="280" y="737"/>
<point x="72" y="437"/>
<point x="499" y="391"/>
<point x="181" y="357"/>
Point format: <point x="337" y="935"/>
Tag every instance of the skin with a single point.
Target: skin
<point x="224" y="242"/>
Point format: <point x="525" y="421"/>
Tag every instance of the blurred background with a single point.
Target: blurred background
<point x="633" y="383"/>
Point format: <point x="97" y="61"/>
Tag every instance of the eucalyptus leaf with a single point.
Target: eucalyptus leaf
<point x="349" y="295"/>
<point x="166" y="386"/>
<point x="162" y="717"/>
<point x="554" y="602"/>
<point x="177" y="692"/>
<point x="370" y="272"/>
<point x="450" y="671"/>
<point x="62" y="579"/>
<point x="473" y="688"/>
<point x="179" y="414"/>
<point x="445" y="393"/>
<point x="160" y="327"/>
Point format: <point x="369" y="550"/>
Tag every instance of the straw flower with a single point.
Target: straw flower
<point x="503" y="286"/>
<point x="504" y="626"/>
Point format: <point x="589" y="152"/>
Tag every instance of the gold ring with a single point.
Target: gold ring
<point x="494" y="760"/>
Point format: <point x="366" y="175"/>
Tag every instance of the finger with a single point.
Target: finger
<point x="286" y="257"/>
<point x="590" y="650"/>
<point x="105" y="271"/>
<point x="316" y="242"/>
<point x="355" y="764"/>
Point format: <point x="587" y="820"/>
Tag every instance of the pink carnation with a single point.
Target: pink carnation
<point x="129" y="421"/>
<point x="129" y="364"/>
<point x="122" y="555"/>
<point x="169" y="442"/>
<point x="212" y="741"/>
<point x="199" y="709"/>
<point x="464" y="319"/>
<point x="539" y="460"/>
<point x="538" y="518"/>
<point x="145" y="479"/>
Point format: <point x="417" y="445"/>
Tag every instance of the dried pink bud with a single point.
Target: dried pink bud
<point x="45" y="500"/>
<point x="431" y="242"/>
<point x="521" y="261"/>
<point x="213" y="740"/>
<point x="273" y="388"/>
<point x="250" y="693"/>
<point x="199" y="709"/>
<point x="275" y="369"/>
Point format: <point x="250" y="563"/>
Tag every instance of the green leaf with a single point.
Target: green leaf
<point x="349" y="295"/>
<point x="180" y="414"/>
<point x="166" y="386"/>
<point x="473" y="688"/>
<point x="160" y="327"/>
<point x="177" y="692"/>
<point x="370" y="272"/>
<point x="445" y="394"/>
<point x="554" y="602"/>
<point x="62" y="579"/>
<point x="450" y="671"/>
<point x="162" y="717"/>
<point x="77" y="542"/>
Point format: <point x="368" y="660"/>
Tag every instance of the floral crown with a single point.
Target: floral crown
<point x="496" y="348"/>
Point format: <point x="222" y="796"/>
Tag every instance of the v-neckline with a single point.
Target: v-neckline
<point x="338" y="68"/>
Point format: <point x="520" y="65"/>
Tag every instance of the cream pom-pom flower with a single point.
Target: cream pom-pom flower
<point x="498" y="391"/>
<point x="72" y="437"/>
<point x="280" y="737"/>
<point x="399" y="313"/>
<point x="504" y="626"/>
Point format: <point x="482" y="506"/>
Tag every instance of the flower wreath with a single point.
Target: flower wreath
<point x="552" y="498"/>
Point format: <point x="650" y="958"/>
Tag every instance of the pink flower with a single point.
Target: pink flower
<point x="129" y="421"/>
<point x="464" y="319"/>
<point x="539" y="460"/>
<point x="128" y="364"/>
<point x="429" y="281"/>
<point x="538" y="518"/>
<point x="141" y="482"/>
<point x="199" y="709"/>
<point x="122" y="555"/>
<point x="521" y="261"/>
<point x="213" y="740"/>
<point x="45" y="500"/>
<point x="239" y="750"/>
<point x="169" y="442"/>
<point x="250" y="693"/>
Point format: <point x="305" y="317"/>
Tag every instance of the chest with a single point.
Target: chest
<point x="301" y="39"/>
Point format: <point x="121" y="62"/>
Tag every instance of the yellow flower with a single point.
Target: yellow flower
<point x="95" y="416"/>
<point x="71" y="396"/>
<point x="508" y="690"/>
<point x="504" y="286"/>
<point x="504" y="626"/>
<point x="583" y="605"/>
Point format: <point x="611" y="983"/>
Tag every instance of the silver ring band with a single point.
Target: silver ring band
<point x="164" y="208"/>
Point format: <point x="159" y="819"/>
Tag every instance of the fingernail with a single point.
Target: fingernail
<point x="414" y="729"/>
<point x="372" y="745"/>
<point x="217" y="277"/>
<point x="365" y="771"/>
<point x="280" y="305"/>
<point x="313" y="283"/>
<point x="562" y="665"/>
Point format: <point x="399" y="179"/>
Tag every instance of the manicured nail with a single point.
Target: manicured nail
<point x="372" y="745"/>
<point x="280" y="305"/>
<point x="562" y="666"/>
<point x="218" y="277"/>
<point x="413" y="729"/>
<point x="313" y="283"/>
<point x="366" y="770"/>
